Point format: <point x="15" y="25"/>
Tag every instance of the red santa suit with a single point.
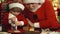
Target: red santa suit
<point x="45" y="15"/>
<point x="8" y="23"/>
<point x="20" y="17"/>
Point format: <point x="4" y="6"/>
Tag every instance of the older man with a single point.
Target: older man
<point x="41" y="14"/>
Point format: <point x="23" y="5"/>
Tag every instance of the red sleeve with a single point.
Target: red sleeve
<point x="5" y="23"/>
<point x="5" y="20"/>
<point x="25" y="20"/>
<point x="50" y="15"/>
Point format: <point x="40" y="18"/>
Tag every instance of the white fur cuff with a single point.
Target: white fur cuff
<point x="37" y="25"/>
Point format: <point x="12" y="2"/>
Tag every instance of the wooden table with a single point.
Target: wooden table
<point x="27" y="32"/>
<point x="13" y="32"/>
<point x="31" y="32"/>
<point x="4" y="33"/>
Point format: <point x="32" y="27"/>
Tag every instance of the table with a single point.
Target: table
<point x="4" y="33"/>
<point x="27" y="32"/>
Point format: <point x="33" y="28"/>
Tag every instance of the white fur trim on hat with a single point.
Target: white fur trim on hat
<point x="12" y="5"/>
<point x="33" y="1"/>
<point x="42" y="1"/>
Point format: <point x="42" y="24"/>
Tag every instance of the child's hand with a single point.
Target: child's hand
<point x="17" y="23"/>
<point x="13" y="19"/>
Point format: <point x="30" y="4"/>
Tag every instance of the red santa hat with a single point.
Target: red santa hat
<point x="19" y="5"/>
<point x="33" y="1"/>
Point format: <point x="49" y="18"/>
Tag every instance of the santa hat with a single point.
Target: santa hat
<point x="12" y="5"/>
<point x="33" y="1"/>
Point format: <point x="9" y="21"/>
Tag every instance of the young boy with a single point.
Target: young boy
<point x="14" y="17"/>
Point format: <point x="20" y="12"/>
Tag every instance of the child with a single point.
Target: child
<point x="15" y="17"/>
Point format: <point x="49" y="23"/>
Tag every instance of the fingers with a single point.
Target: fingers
<point x="13" y="19"/>
<point x="17" y="23"/>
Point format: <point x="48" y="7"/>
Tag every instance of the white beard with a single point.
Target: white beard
<point x="34" y="10"/>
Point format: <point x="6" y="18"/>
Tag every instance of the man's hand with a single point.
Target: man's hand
<point x="30" y="23"/>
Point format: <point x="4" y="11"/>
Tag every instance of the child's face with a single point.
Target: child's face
<point x="15" y="11"/>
